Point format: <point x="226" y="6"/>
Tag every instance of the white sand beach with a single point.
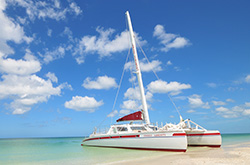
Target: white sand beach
<point x="230" y="154"/>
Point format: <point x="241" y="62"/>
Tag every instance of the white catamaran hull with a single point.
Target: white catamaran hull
<point x="203" y="138"/>
<point x="162" y="141"/>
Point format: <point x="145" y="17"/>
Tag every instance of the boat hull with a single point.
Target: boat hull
<point x="204" y="138"/>
<point x="161" y="141"/>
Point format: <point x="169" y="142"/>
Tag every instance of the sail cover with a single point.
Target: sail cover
<point x="131" y="117"/>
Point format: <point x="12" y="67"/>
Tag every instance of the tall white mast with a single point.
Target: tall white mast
<point x="138" y="71"/>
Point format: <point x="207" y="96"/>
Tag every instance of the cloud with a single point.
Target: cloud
<point x="132" y="79"/>
<point x="19" y="67"/>
<point x="76" y="9"/>
<point x="212" y="85"/>
<point x="112" y="114"/>
<point x="124" y="112"/>
<point x="145" y="66"/>
<point x="195" y="101"/>
<point x="226" y="113"/>
<point x="67" y="32"/>
<point x="134" y="94"/>
<point x="177" y="68"/>
<point x="247" y="104"/>
<point x="19" y="83"/>
<point x="191" y="111"/>
<point x="160" y="86"/>
<point x="103" y="45"/>
<point x="247" y="79"/>
<point x="234" y="112"/>
<point x="130" y="105"/>
<point x="46" y="9"/>
<point x="80" y="103"/>
<point x="230" y="100"/>
<point x="49" y="32"/>
<point x="26" y="90"/>
<point x="169" y="63"/>
<point x="102" y="82"/>
<point x="10" y="31"/>
<point x="169" y="40"/>
<point x="49" y="56"/>
<point x="153" y="65"/>
<point x="216" y="103"/>
<point x="246" y="112"/>
<point x="22" y="86"/>
<point x="52" y="77"/>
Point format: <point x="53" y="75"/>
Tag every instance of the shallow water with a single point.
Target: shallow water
<point x="69" y="151"/>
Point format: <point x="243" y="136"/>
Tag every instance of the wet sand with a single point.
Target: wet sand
<point x="229" y="154"/>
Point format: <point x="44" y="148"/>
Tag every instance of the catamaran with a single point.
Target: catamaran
<point x="141" y="136"/>
<point x="196" y="134"/>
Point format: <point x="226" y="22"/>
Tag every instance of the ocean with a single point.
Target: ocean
<point x="68" y="150"/>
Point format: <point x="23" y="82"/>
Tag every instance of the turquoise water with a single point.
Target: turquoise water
<point x="228" y="139"/>
<point x="70" y="151"/>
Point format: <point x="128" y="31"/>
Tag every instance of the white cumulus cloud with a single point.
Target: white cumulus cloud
<point x="52" y="77"/>
<point x="234" y="112"/>
<point x="195" y="101"/>
<point x="160" y="86"/>
<point x="10" y="31"/>
<point x="103" y="45"/>
<point x="20" y="84"/>
<point x="134" y="94"/>
<point x="169" y="40"/>
<point x="102" y="82"/>
<point x="25" y="91"/>
<point x="145" y="66"/>
<point x="80" y="103"/>
<point x="19" y="67"/>
<point x="130" y="105"/>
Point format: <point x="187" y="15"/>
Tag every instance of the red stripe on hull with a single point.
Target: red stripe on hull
<point x="214" y="146"/>
<point x="105" y="137"/>
<point x="135" y="136"/>
<point x="115" y="137"/>
<point x="203" y="134"/>
<point x="91" y="139"/>
<point x="179" y="134"/>
<point x="148" y="149"/>
<point x="129" y="136"/>
<point x="108" y="137"/>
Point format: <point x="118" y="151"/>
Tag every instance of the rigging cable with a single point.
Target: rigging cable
<point x="119" y="86"/>
<point x="117" y="93"/>
<point x="156" y="74"/>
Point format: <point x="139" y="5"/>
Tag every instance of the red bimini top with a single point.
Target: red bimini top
<point x="131" y="117"/>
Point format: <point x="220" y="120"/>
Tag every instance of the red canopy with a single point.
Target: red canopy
<point x="130" y="117"/>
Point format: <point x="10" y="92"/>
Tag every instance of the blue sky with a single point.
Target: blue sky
<point x="61" y="63"/>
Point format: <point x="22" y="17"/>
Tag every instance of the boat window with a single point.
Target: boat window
<point x="153" y="128"/>
<point x="138" y="128"/>
<point x="122" y="129"/>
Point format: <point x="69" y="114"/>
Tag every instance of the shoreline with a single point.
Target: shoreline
<point x="234" y="150"/>
<point x="227" y="154"/>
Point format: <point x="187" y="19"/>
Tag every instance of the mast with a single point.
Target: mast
<point x="138" y="71"/>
